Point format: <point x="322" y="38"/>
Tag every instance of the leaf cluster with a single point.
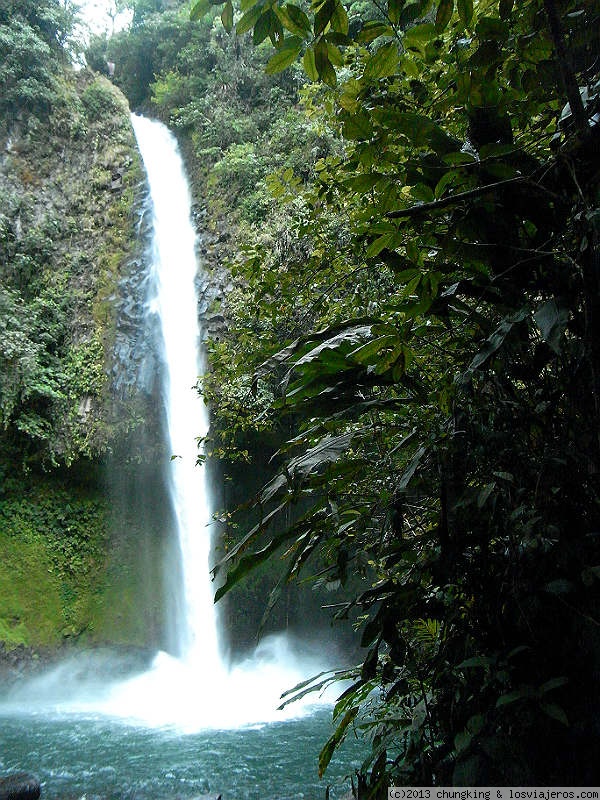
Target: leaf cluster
<point x="439" y="378"/>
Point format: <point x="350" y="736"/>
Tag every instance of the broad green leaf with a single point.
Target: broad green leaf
<point x="308" y="62"/>
<point x="421" y="131"/>
<point x="328" y="450"/>
<point x="276" y="32"/>
<point x="335" y="740"/>
<point x="393" y="358"/>
<point x="294" y="19"/>
<point x="553" y="683"/>
<point x="339" y="19"/>
<point x="420" y="34"/>
<point x="410" y="13"/>
<point x="475" y="724"/>
<point x="348" y="99"/>
<point x="262" y="29"/>
<point x="384" y="63"/>
<point x="496" y="340"/>
<point x="340" y="39"/>
<point x="512" y="697"/>
<point x="462" y="741"/>
<point x="485" y="493"/>
<point x="495" y="150"/>
<point x="505" y="476"/>
<point x="346" y="338"/>
<point x="489" y="52"/>
<point x="323" y="16"/>
<point x="387" y="197"/>
<point x="199" y="9"/>
<point x="372" y="30"/>
<point x="446" y="180"/>
<point x="394" y="10"/>
<point x="252" y="560"/>
<point x="458" y="158"/>
<point x="284" y="57"/>
<point x="559" y="586"/>
<point x="363" y="182"/>
<point x="465" y="11"/>
<point x="444" y="13"/>
<point x="365" y="353"/>
<point x="409" y="67"/>
<point x="227" y="16"/>
<point x="556" y="712"/>
<point x="412" y="468"/>
<point x="422" y="192"/>
<point x="324" y="66"/>
<point x="381" y="243"/>
<point x="248" y="20"/>
<point x="475" y="661"/>
<point x="335" y="55"/>
<point x="357" y="127"/>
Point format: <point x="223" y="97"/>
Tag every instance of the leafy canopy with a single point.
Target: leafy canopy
<point x="438" y="302"/>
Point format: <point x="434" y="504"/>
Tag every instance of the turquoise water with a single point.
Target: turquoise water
<point x="107" y="759"/>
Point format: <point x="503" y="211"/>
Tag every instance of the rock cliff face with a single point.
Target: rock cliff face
<point x="67" y="230"/>
<point x="76" y="382"/>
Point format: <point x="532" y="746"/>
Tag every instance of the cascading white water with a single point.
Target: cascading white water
<point x="174" y="269"/>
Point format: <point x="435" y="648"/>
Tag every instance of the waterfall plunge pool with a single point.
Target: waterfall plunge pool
<point x="96" y="757"/>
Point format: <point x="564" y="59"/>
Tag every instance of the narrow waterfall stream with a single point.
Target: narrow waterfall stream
<point x="174" y="272"/>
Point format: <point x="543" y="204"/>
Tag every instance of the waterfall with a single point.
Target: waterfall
<point x="174" y="272"/>
<point x="195" y="689"/>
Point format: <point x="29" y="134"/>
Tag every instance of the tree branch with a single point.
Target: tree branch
<point x="436" y="205"/>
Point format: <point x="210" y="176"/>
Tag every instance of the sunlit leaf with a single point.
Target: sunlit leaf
<point x="285" y="57"/>
<point x="383" y="63"/>
<point x="372" y="30"/>
<point x="308" y="62"/>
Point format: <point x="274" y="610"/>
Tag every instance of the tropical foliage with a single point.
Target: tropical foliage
<point x="424" y="329"/>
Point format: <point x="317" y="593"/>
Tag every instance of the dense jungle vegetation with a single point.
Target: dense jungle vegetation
<point x="415" y="327"/>
<point x="68" y="177"/>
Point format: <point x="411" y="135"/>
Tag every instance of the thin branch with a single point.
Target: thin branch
<point x="436" y="205"/>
